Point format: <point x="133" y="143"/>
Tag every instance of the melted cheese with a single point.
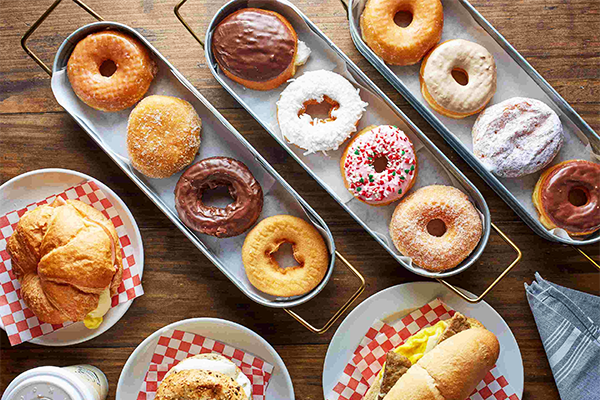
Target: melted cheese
<point x="95" y="318"/>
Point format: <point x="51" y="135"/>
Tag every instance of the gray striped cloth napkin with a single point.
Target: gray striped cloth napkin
<point x="569" y="325"/>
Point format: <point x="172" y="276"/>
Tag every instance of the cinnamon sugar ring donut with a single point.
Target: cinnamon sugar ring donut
<point x="131" y="79"/>
<point x="309" y="250"/>
<point x="567" y="196"/>
<point x="397" y="45"/>
<point x="443" y="92"/>
<point x="411" y="220"/>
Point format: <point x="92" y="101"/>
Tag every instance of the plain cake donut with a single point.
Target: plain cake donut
<point x="442" y="91"/>
<point x="379" y="166"/>
<point x="553" y="199"/>
<point x="517" y="137"/>
<point x="409" y="227"/>
<point x="314" y="135"/>
<point x="309" y="251"/>
<point x="163" y="135"/>
<point x="134" y="72"/>
<point x="397" y="45"/>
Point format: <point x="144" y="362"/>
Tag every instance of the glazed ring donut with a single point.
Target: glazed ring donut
<point x="134" y="72"/>
<point x="409" y="227"/>
<point x="314" y="87"/>
<point x="163" y="135"/>
<point x="517" y="137"/>
<point x="397" y="45"/>
<point x="309" y="250"/>
<point x="441" y="90"/>
<point x="379" y="166"/>
<point x="555" y="197"/>
<point x="235" y="218"/>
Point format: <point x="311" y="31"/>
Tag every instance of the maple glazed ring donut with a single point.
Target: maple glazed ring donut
<point x="556" y="200"/>
<point x="444" y="93"/>
<point x="232" y="220"/>
<point x="133" y="74"/>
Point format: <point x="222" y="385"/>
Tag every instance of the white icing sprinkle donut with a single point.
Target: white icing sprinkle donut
<point x="314" y="87"/>
<point x="517" y="137"/>
<point x="360" y="165"/>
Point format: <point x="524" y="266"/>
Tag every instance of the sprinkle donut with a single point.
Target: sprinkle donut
<point x="314" y="87"/>
<point x="379" y="165"/>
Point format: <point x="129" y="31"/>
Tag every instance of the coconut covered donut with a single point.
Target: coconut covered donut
<point x="379" y="166"/>
<point x="410" y="227"/>
<point x="402" y="45"/>
<point x="314" y="87"/>
<point x="128" y="83"/>
<point x="309" y="250"/>
<point x="517" y="137"/>
<point x="443" y="92"/>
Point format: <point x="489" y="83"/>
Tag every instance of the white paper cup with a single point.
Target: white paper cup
<point x="77" y="382"/>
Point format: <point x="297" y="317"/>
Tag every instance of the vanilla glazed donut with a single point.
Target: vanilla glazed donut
<point x="443" y="93"/>
<point x="517" y="137"/>
<point x="315" y="87"/>
<point x="552" y="197"/>
<point x="134" y="72"/>
<point x="379" y="166"/>
<point x="409" y="227"/>
<point x="309" y="251"/>
<point x="397" y="45"/>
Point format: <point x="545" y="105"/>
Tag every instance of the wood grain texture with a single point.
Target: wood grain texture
<point x="560" y="38"/>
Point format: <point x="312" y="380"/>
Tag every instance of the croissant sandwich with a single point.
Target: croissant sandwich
<point x="68" y="260"/>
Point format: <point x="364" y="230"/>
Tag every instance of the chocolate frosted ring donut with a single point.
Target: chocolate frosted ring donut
<point x="232" y="220"/>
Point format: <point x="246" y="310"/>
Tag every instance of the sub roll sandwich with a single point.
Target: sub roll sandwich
<point x="442" y="362"/>
<point x="203" y="377"/>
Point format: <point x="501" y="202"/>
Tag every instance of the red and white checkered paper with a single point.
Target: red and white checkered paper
<point x="369" y="356"/>
<point x="19" y="322"/>
<point x="175" y="345"/>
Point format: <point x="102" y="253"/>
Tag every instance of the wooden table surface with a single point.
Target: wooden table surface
<point x="560" y="38"/>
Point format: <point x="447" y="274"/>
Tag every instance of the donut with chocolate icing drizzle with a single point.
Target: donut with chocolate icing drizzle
<point x="210" y="173"/>
<point x="552" y="197"/>
<point x="256" y="48"/>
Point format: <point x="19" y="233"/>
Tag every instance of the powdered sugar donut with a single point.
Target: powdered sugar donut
<point x="379" y="165"/>
<point x="315" y="87"/>
<point x="517" y="137"/>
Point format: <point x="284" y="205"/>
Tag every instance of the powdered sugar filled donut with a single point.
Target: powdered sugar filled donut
<point x="517" y="137"/>
<point x="379" y="165"/>
<point x="316" y="135"/>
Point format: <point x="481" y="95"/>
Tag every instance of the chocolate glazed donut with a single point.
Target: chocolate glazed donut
<point x="210" y="173"/>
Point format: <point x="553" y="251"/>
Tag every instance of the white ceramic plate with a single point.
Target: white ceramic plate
<point x="410" y="296"/>
<point x="280" y="386"/>
<point x="37" y="185"/>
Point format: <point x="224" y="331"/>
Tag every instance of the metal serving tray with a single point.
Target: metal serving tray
<point x="261" y="105"/>
<point x="219" y="138"/>
<point x="507" y="60"/>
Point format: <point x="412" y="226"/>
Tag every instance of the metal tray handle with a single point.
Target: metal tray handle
<point x="498" y="279"/>
<point x="340" y="311"/>
<point x="189" y="28"/>
<point x="41" y="19"/>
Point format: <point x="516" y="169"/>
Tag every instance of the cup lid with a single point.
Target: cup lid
<point x="45" y="383"/>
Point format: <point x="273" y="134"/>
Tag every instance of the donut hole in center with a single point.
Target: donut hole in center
<point x="217" y="197"/>
<point x="284" y="256"/>
<point x="319" y="111"/>
<point x="403" y="18"/>
<point x="460" y="76"/>
<point x="578" y="196"/>
<point x="380" y="164"/>
<point x="108" y="68"/>
<point x="436" y="227"/>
